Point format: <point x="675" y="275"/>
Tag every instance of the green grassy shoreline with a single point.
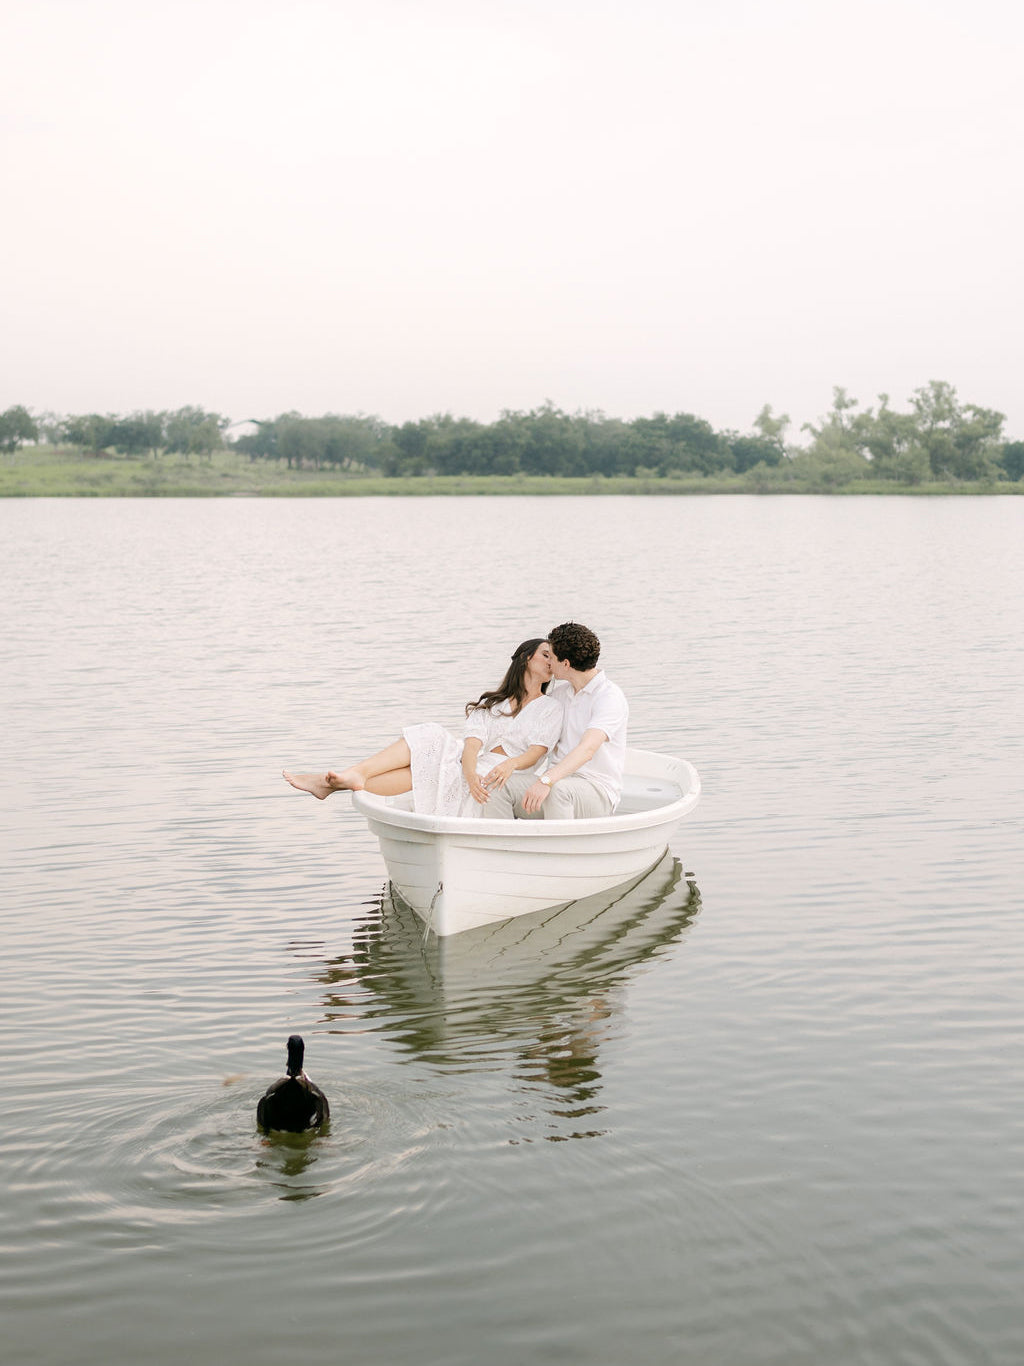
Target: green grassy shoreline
<point x="47" y="472"/>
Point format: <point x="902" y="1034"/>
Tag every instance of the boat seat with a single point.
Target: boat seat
<point x="644" y="794"/>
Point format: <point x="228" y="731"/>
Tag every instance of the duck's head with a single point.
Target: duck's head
<point x="296" y="1052"/>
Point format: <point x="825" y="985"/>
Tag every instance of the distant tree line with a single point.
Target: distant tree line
<point x="937" y="439"/>
<point x="544" y="441"/>
<point x="190" y="431"/>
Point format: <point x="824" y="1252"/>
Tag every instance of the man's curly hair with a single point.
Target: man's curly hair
<point x="575" y="645"/>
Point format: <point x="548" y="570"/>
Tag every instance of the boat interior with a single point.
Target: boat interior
<point x="638" y="794"/>
<point x="646" y="794"/>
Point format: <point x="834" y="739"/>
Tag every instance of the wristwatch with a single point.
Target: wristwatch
<point x="545" y="780"/>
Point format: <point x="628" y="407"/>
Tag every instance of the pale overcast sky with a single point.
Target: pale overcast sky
<point x="410" y="206"/>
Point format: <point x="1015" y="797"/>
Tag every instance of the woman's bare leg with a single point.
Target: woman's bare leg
<point x="387" y="773"/>
<point x="390" y="784"/>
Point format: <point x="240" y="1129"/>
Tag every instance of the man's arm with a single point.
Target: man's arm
<point x="536" y="794"/>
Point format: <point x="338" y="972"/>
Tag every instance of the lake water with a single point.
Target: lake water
<point x="775" y="1117"/>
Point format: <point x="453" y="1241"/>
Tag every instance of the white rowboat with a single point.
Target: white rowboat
<point x="459" y="873"/>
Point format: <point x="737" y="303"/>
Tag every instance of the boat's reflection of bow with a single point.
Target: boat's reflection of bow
<point x="541" y="991"/>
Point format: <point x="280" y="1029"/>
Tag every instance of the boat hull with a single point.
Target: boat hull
<point x="461" y="873"/>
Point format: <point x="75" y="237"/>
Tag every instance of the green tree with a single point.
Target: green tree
<point x="354" y="442"/>
<point x="839" y="428"/>
<point x="748" y="451"/>
<point x="502" y="445"/>
<point x="766" y="448"/>
<point x="681" y="443"/>
<point x="89" y="432"/>
<point x="606" y="445"/>
<point x="959" y="442"/>
<point x="770" y="427"/>
<point x="891" y="441"/>
<point x="1012" y="459"/>
<point x="298" y="441"/>
<point x="138" y="433"/>
<point x="262" y="443"/>
<point x="409" y="444"/>
<point x="829" y="463"/>
<point x="192" y="431"/>
<point x="51" y="428"/>
<point x="16" y="426"/>
<point x="549" y="440"/>
<point x="455" y="445"/>
<point x="836" y="455"/>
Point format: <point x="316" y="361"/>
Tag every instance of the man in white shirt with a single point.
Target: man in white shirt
<point x="584" y="777"/>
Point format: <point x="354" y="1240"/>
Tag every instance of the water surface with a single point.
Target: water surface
<point x="767" y="1113"/>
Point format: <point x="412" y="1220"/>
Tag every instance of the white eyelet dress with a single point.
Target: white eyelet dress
<point x="438" y="787"/>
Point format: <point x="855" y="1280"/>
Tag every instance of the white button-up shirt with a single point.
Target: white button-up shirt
<point x="601" y="705"/>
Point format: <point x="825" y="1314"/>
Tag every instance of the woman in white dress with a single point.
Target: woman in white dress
<point x="508" y="729"/>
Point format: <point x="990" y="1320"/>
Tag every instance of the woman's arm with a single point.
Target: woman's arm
<point x="470" y="753"/>
<point x="500" y="773"/>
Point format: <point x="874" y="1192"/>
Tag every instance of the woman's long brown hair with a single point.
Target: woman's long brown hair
<point x="513" y="685"/>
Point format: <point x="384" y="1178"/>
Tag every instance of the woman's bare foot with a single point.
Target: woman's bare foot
<point x="317" y="783"/>
<point x="348" y="780"/>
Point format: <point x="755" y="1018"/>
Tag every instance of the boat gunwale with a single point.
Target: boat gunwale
<point x="373" y="807"/>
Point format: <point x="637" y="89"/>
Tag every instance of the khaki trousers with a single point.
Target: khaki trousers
<point x="572" y="798"/>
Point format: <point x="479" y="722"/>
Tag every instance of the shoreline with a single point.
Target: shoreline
<point x="62" y="474"/>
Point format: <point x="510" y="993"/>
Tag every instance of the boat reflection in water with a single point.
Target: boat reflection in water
<point x="539" y="993"/>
